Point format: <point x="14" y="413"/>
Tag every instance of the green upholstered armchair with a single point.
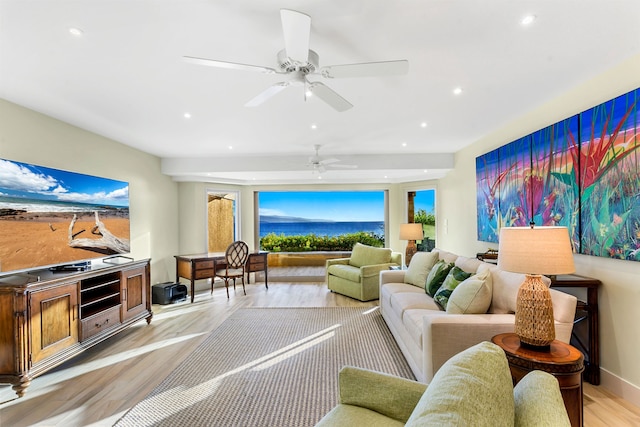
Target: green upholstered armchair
<point x="359" y="276"/>
<point x="474" y="388"/>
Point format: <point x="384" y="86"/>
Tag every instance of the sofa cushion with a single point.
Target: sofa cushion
<point x="473" y="296"/>
<point x="454" y="278"/>
<point x="351" y="415"/>
<point x="419" y="268"/>
<point x="347" y="272"/>
<point x="368" y="255"/>
<point x="470" y="265"/>
<point x="436" y="276"/>
<point x="445" y="256"/>
<point x="408" y="301"/>
<point x="473" y="388"/>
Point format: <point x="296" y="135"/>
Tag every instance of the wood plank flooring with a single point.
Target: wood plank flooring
<point x="97" y="387"/>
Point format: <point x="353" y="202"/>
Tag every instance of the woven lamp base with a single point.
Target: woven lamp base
<point x="534" y="313"/>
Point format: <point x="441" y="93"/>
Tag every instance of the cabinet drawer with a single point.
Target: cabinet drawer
<point x="201" y="265"/>
<point x="256" y="266"/>
<point x="204" y="274"/>
<point x="100" y="322"/>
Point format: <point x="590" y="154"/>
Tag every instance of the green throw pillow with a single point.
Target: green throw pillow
<point x="454" y="278"/>
<point x="436" y="276"/>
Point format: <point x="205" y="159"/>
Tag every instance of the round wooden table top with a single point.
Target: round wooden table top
<point x="563" y="356"/>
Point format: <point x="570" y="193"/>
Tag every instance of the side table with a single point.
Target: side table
<point x="563" y="361"/>
<point x="585" y="335"/>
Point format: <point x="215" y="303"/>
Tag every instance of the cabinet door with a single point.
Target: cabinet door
<point x="134" y="292"/>
<point x="54" y="320"/>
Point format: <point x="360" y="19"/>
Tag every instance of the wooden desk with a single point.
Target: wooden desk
<point x="201" y="266"/>
<point x="563" y="361"/>
<point x="585" y="335"/>
<point x="257" y="262"/>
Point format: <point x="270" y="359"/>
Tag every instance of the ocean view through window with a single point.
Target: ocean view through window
<point x="330" y="220"/>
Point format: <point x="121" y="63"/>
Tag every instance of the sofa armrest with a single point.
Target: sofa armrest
<point x="445" y="335"/>
<point x="374" y="270"/>
<point x="337" y="261"/>
<point x="385" y="394"/>
<point x="392" y="276"/>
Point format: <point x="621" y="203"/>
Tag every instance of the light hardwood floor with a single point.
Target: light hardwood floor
<point x="97" y="387"/>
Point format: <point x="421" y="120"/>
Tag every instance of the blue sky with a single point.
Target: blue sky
<point x="424" y="199"/>
<point x="329" y="205"/>
<point x="334" y="205"/>
<point x="37" y="182"/>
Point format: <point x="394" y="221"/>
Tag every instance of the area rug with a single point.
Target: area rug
<point x="270" y="367"/>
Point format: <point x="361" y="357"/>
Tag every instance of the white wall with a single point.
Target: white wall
<point x="30" y="137"/>
<point x="619" y="297"/>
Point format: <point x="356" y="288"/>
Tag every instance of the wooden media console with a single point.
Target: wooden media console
<point x="48" y="317"/>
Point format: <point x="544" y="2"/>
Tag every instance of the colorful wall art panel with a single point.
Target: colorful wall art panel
<point x="554" y="177"/>
<point x="487" y="185"/>
<point x="609" y="182"/>
<point x="582" y="172"/>
<point x="515" y="186"/>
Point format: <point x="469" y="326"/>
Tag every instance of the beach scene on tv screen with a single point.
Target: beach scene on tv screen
<point x="52" y="217"/>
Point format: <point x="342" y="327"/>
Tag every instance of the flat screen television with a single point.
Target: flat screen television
<point x="53" y="218"/>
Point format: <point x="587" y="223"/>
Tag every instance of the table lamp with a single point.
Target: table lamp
<point x="535" y="251"/>
<point x="411" y="232"/>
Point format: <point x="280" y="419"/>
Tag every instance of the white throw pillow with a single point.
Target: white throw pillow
<point x="472" y="296"/>
<point x="419" y="268"/>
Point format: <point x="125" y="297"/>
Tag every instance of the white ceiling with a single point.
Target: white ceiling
<point x="125" y="77"/>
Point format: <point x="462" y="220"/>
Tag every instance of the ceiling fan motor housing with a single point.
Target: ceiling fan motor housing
<point x="289" y="65"/>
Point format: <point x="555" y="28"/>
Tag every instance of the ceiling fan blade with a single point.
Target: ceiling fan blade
<point x="268" y="93"/>
<point x="229" y="65"/>
<point x="328" y="161"/>
<point x="366" y="69"/>
<point x="296" y="28"/>
<point x="341" y="166"/>
<point x="327" y="94"/>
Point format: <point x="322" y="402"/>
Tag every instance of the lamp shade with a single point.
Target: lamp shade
<point x="411" y="231"/>
<point x="535" y="250"/>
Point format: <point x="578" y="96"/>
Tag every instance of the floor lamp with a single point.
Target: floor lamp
<point x="411" y="233"/>
<point x="535" y="251"/>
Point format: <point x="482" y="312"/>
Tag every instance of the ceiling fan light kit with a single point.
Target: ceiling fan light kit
<point x="297" y="61"/>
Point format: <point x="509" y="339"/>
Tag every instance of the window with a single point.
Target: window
<point x="324" y="214"/>
<point x="422" y="208"/>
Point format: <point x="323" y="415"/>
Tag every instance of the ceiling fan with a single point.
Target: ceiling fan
<point x="296" y="61"/>
<point x="320" y="164"/>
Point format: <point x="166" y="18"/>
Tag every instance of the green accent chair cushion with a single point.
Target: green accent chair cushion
<point x="473" y="388"/>
<point x="362" y="255"/>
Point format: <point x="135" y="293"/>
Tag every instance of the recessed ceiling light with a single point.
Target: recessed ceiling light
<point x="187" y="115"/>
<point x="423" y="124"/>
<point x="404" y="144"/>
<point x="230" y="147"/>
<point x="528" y="20"/>
<point x="314" y="126"/>
<point x="77" y="32"/>
<point x="426" y="171"/>
<point x="457" y="91"/>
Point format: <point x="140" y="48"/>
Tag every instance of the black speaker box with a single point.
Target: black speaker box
<point x="168" y="293"/>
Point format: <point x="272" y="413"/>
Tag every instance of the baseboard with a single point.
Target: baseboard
<point x="620" y="387"/>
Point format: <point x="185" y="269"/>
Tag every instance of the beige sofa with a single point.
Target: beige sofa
<point x="429" y="336"/>
<point x="357" y="276"/>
